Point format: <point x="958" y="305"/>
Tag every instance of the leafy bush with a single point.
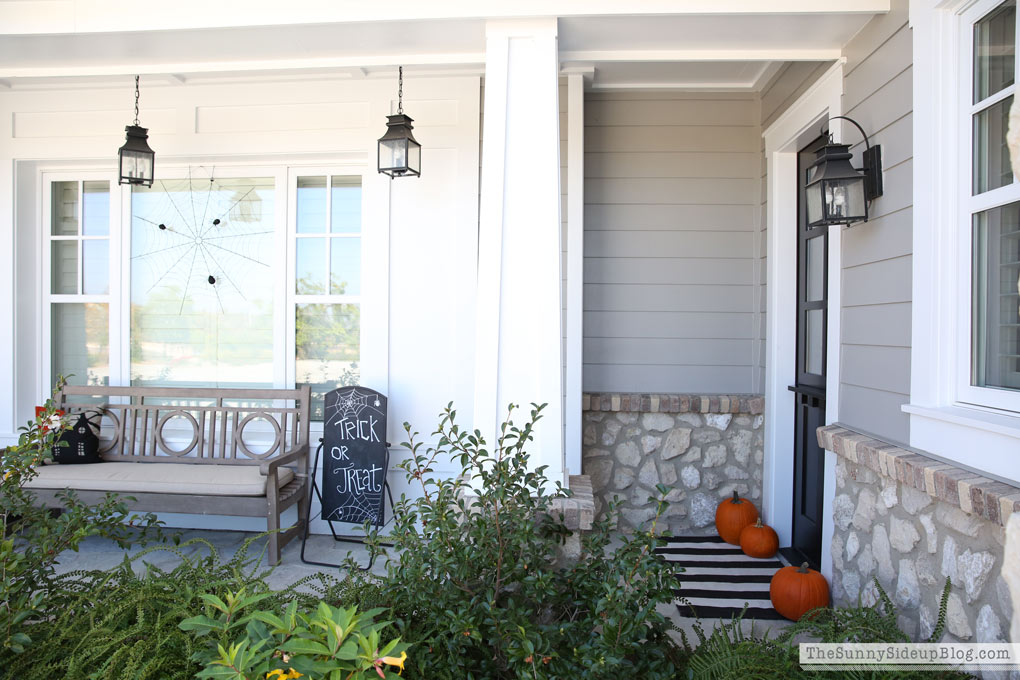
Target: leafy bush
<point x="121" y="624"/>
<point x="476" y="587"/>
<point x="327" y="643"/>
<point x="730" y="654"/>
<point x="31" y="537"/>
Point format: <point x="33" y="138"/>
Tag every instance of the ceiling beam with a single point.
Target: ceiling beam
<point x="112" y="16"/>
<point x="719" y="54"/>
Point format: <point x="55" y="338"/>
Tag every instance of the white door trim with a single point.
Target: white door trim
<point x="783" y="139"/>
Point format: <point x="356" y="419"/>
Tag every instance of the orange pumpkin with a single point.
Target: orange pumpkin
<point x="795" y="591"/>
<point x="759" y="540"/>
<point x="732" y="515"/>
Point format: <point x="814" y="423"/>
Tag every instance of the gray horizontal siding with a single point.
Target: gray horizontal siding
<point x="671" y="204"/>
<point x="877" y="262"/>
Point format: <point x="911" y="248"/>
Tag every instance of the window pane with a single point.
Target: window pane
<point x="345" y="266"/>
<point x="80" y="342"/>
<point x="994" y="51"/>
<point x="64" y="268"/>
<point x="814" y="341"/>
<point x="202" y="285"/>
<point x="328" y="342"/>
<point x="346" y="205"/>
<point x="311" y="205"/>
<point x="95" y="264"/>
<point x="311" y="266"/>
<point x="64" y="209"/>
<point x="991" y="156"/>
<point x="995" y="353"/>
<point x="96" y="210"/>
<point x="815" y="268"/>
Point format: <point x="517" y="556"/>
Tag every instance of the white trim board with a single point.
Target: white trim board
<point x="783" y="139"/>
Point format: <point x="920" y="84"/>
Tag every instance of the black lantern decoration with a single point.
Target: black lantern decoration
<point x="399" y="152"/>
<point x="838" y="193"/>
<point x="137" y="160"/>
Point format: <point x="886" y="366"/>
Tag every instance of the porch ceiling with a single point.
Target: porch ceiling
<point x="719" y="45"/>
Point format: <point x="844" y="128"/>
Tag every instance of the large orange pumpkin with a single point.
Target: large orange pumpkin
<point x="795" y="591"/>
<point x="732" y="515"/>
<point x="759" y="540"/>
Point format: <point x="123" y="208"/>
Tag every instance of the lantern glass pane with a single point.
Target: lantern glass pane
<point x="414" y="157"/>
<point x="844" y="199"/>
<point x="136" y="165"/>
<point x="813" y="196"/>
<point x="394" y="153"/>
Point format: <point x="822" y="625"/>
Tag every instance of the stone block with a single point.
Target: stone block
<point x="599" y="470"/>
<point x="883" y="556"/>
<point x="648" y="475"/>
<point x="973" y="569"/>
<point x="914" y="500"/>
<point x="677" y="442"/>
<point x="714" y="456"/>
<point x="733" y="472"/>
<point x="656" y="422"/>
<point x="719" y="421"/>
<point x="693" y="454"/>
<point x="667" y="472"/>
<point x="902" y="534"/>
<point x="740" y="443"/>
<point x="650" y="443"/>
<point x="842" y="511"/>
<point x="864" y="515"/>
<point x="949" y="560"/>
<point x="703" y="509"/>
<point x="987" y="628"/>
<point x="853" y="545"/>
<point x="931" y="536"/>
<point x="690" y="476"/>
<point x="627" y="453"/>
<point x="958" y="520"/>
<point x="623" y="478"/>
<point x="956" y="618"/>
<point x="908" y="590"/>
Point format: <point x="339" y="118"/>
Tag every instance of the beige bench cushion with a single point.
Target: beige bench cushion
<point x="179" y="478"/>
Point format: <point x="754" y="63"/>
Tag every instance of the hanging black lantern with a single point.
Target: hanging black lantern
<point x="399" y="152"/>
<point x="137" y="160"/>
<point x="838" y="193"/>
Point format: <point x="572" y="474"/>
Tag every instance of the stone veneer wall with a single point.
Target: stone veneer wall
<point x="912" y="521"/>
<point x="704" y="447"/>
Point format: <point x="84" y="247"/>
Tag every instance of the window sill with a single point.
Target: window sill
<point x="974" y="418"/>
<point x="974" y="438"/>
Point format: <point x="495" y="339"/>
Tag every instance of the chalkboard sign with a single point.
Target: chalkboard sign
<point x="354" y="456"/>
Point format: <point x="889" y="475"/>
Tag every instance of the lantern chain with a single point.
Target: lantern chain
<point x="400" y="90"/>
<point x="136" y="101"/>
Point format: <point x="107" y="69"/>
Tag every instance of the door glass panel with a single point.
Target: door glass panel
<point x="345" y="205"/>
<point x="815" y="268"/>
<point x="95" y="262"/>
<point x="994" y="51"/>
<point x="64" y="209"/>
<point x="814" y="339"/>
<point x="345" y="266"/>
<point x="64" y="269"/>
<point x="311" y="205"/>
<point x="80" y="340"/>
<point x="95" y="214"/>
<point x="995" y="290"/>
<point x="991" y="156"/>
<point x="311" y="266"/>
<point x="328" y="341"/>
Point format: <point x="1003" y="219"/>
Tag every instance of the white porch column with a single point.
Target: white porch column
<point x="519" y="322"/>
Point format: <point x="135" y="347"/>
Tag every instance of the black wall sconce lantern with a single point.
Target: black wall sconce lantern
<point x="836" y="191"/>
<point x="399" y="152"/>
<point x="137" y="160"/>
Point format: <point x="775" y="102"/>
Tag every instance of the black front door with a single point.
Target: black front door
<point x="809" y="390"/>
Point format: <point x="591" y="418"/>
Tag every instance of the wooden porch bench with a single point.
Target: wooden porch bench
<point x="185" y="450"/>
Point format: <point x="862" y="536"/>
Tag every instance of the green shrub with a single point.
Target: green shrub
<point x="476" y="588"/>
<point x="32" y="537"/>
<point x="121" y="624"/>
<point x="327" y="643"/>
<point x="729" y="654"/>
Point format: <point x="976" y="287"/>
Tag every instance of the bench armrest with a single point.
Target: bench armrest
<point x="284" y="459"/>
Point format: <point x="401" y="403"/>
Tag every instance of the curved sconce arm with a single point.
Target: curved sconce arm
<point x="872" y="162"/>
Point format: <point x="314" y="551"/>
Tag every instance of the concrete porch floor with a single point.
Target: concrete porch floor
<point x="103" y="554"/>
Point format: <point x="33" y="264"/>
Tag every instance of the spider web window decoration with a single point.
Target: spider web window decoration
<point x="202" y="269"/>
<point x="201" y="234"/>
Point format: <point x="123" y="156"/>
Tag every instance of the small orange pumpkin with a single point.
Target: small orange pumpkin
<point x="794" y="591"/>
<point x="759" y="540"/>
<point x="732" y="515"/>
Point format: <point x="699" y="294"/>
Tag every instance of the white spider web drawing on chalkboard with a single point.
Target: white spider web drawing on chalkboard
<point x="201" y="236"/>
<point x="358" y="509"/>
<point x="351" y="405"/>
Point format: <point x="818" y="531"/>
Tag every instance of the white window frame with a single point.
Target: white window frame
<point x="373" y="297"/>
<point x="49" y="298"/>
<point x="977" y="427"/>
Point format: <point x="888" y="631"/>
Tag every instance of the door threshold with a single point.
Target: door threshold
<point x="795" y="557"/>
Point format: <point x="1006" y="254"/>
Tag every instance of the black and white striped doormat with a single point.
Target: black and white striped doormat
<point x="717" y="579"/>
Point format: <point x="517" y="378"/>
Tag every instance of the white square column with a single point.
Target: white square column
<point x="519" y="315"/>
